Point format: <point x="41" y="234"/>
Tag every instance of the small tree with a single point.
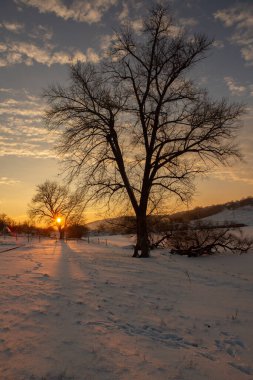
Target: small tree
<point x="136" y="127"/>
<point x="55" y="204"/>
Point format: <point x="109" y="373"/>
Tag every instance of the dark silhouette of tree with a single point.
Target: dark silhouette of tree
<point x="5" y="222"/>
<point x="55" y="204"/>
<point x="135" y="127"/>
<point x="76" y="231"/>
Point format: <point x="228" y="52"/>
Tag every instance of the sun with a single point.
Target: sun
<point x="59" y="219"/>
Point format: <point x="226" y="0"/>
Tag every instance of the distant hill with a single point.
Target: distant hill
<point x="240" y="212"/>
<point x="208" y="211"/>
<point x="123" y="224"/>
<point x="240" y="215"/>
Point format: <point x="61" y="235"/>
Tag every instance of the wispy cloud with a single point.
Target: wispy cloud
<point x="26" y="150"/>
<point x="241" y="171"/>
<point x="41" y="32"/>
<point x="106" y="42"/>
<point x="218" y="44"/>
<point x="21" y="129"/>
<point x="36" y="32"/>
<point x="14" y="27"/>
<point x="241" y="19"/>
<point x="124" y="12"/>
<point x="78" y="10"/>
<point x="25" y="108"/>
<point x="8" y="181"/>
<point x="242" y="174"/>
<point x="6" y="90"/>
<point x="16" y="52"/>
<point x="188" y="22"/>
<point x="234" y="88"/>
<point x="124" y="18"/>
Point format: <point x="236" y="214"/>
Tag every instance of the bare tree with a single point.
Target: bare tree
<point x="135" y="127"/>
<point x="5" y="221"/>
<point x="55" y="204"/>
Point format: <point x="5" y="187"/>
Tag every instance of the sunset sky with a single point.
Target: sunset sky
<point x="38" y="39"/>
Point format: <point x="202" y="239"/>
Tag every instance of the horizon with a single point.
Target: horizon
<point x="45" y="225"/>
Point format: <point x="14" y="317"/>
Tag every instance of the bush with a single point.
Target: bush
<point x="203" y="239"/>
<point x="76" y="231"/>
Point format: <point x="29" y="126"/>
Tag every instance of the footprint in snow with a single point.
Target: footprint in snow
<point x="232" y="346"/>
<point x="79" y="303"/>
<point x="8" y="352"/>
<point x="243" y="368"/>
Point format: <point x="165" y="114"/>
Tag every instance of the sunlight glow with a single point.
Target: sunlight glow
<point x="59" y="219"/>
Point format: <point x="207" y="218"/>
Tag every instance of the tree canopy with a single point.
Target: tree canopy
<point x="135" y="127"/>
<point x="55" y="204"/>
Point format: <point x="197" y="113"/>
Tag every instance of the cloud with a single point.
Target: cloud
<point x="233" y="87"/>
<point x="8" y="181"/>
<point x="241" y="171"/>
<point x="106" y="43"/>
<point x="7" y="90"/>
<point x="16" y="52"/>
<point x="21" y="130"/>
<point x="124" y="13"/>
<point x="240" y="16"/>
<point x="137" y="25"/>
<point x="124" y="18"/>
<point x="247" y="53"/>
<point x="91" y="56"/>
<point x="238" y="89"/>
<point x="14" y="27"/>
<point x="26" y="150"/>
<point x="78" y="10"/>
<point x="240" y="174"/>
<point x="241" y="19"/>
<point x="218" y="44"/>
<point x="188" y="22"/>
<point x="36" y="32"/>
<point x="41" y="32"/>
<point x="20" y="108"/>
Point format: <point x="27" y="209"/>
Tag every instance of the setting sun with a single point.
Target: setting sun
<point x="58" y="220"/>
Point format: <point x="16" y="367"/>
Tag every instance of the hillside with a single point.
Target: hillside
<point x="241" y="215"/>
<point x="240" y="212"/>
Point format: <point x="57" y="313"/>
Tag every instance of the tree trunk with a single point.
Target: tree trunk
<point x="61" y="232"/>
<point x="142" y="243"/>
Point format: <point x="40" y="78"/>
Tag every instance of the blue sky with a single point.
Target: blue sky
<point x="38" y="39"/>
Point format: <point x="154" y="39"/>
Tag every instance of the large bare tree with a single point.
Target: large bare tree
<point x="136" y="127"/>
<point x="55" y="204"/>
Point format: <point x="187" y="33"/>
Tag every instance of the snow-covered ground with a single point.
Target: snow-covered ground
<point x="243" y="215"/>
<point x="94" y="313"/>
<point x="123" y="241"/>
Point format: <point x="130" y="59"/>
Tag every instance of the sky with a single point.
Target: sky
<point x="38" y="41"/>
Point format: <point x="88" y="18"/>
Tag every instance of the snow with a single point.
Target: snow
<point x="243" y="215"/>
<point x="91" y="311"/>
<point x="123" y="241"/>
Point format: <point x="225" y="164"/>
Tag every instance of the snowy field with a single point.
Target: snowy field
<point x="94" y="313"/>
<point x="243" y="215"/>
